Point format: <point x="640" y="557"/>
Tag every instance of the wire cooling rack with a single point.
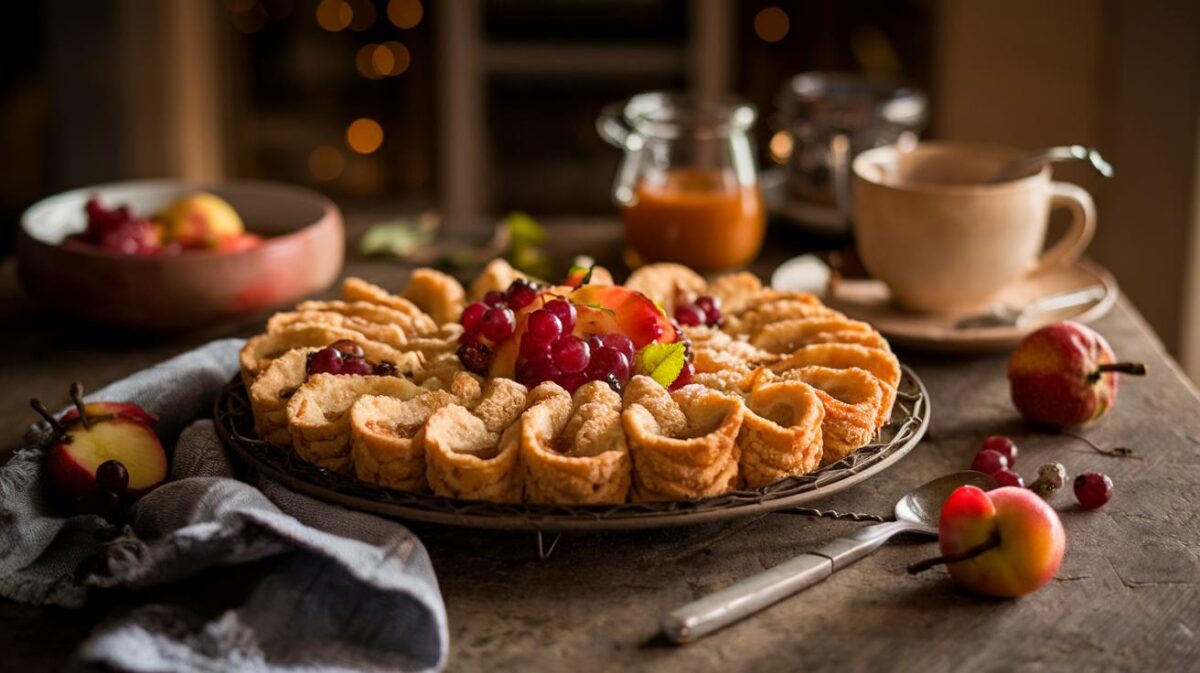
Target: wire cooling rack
<point x="910" y="419"/>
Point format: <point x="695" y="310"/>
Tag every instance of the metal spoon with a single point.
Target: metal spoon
<point x="916" y="512"/>
<point x="1035" y="161"/>
<point x="1003" y="315"/>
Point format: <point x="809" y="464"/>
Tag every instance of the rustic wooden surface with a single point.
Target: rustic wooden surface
<point x="1127" y="596"/>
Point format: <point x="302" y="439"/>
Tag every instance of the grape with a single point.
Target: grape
<point x="347" y="347"/>
<point x="570" y="354"/>
<point x="542" y="328"/>
<point x="685" y="376"/>
<point x="325" y="361"/>
<point x="690" y="315"/>
<point x="566" y="313"/>
<point x="386" y="368"/>
<point x="989" y="462"/>
<point x="538" y="370"/>
<point x="1008" y="478"/>
<point x="571" y="382"/>
<point x="520" y="294"/>
<point x="531" y="349"/>
<point x="618" y="342"/>
<point x="101" y="503"/>
<point x="498" y="324"/>
<point x="1093" y="489"/>
<point x="475" y="357"/>
<point x="495" y="298"/>
<point x="112" y="476"/>
<point x="708" y="303"/>
<point x="468" y="338"/>
<point x="1003" y="446"/>
<point x="472" y="317"/>
<point x="608" y="361"/>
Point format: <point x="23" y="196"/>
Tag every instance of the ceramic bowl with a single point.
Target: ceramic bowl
<point x="302" y="253"/>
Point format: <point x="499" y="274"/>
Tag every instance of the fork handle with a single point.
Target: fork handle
<point x="737" y="601"/>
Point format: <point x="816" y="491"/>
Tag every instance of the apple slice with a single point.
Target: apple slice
<point x="630" y="312"/>
<point x="118" y="409"/>
<point x="73" y="461"/>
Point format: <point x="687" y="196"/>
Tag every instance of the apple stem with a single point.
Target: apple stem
<point x="921" y="566"/>
<point x="77" y="398"/>
<point x="45" y="413"/>
<point x="1115" y="452"/>
<point x="1131" y="368"/>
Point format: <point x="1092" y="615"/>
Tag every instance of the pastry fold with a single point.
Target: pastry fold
<point x="852" y="399"/>
<point x="412" y="325"/>
<point x="769" y="313"/>
<point x="665" y="282"/>
<point x="786" y="336"/>
<point x="683" y="444"/>
<point x="270" y="392"/>
<point x="388" y="437"/>
<point x="436" y="293"/>
<point x="260" y="350"/>
<point x="318" y="414"/>
<point x="573" y="450"/>
<point x="880" y="363"/>
<point x="472" y="454"/>
<point x="781" y="433"/>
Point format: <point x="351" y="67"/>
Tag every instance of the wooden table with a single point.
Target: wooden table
<point x="1127" y="596"/>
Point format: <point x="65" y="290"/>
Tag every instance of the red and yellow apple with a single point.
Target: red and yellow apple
<point x="127" y="410"/>
<point x="1021" y="537"/>
<point x="74" y="458"/>
<point x="200" y="221"/>
<point x="1065" y="374"/>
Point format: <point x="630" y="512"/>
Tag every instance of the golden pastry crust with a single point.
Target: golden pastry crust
<point x="683" y="444"/>
<point x="712" y="339"/>
<point x="357" y="289"/>
<point x="436" y="293"/>
<point x="870" y="339"/>
<point x="411" y="325"/>
<point x="387" y="437"/>
<point x="497" y="276"/>
<point x="270" y="392"/>
<point x="786" y="336"/>
<point x="665" y="281"/>
<point x="444" y="342"/>
<point x="880" y="363"/>
<point x="735" y="290"/>
<point x="781" y="433"/>
<point x="258" y="352"/>
<point x="852" y="399"/>
<point x="390" y="334"/>
<point x="573" y="449"/>
<point x="770" y="313"/>
<point x="318" y="414"/>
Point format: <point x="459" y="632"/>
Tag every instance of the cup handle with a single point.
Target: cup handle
<point x="1083" y="225"/>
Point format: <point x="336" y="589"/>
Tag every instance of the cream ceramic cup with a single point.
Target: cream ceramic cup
<point x="928" y="226"/>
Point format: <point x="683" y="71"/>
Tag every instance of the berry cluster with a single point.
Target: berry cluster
<point x="118" y="230"/>
<point x="493" y="319"/>
<point x="998" y="456"/>
<point x="109" y="495"/>
<point x="705" y="311"/>
<point x="345" y="356"/>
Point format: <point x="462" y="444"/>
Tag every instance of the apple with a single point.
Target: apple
<point x="1065" y="374"/>
<point x="74" y="459"/>
<point x="127" y="410"/>
<point x="200" y="221"/>
<point x="1006" y="542"/>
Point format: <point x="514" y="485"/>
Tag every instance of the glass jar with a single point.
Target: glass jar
<point x="687" y="186"/>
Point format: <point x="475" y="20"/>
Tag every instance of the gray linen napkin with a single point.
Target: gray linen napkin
<point x="349" y="591"/>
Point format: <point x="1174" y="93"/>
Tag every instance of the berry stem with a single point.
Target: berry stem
<point x="921" y="566"/>
<point x="1116" y="452"/>
<point x="77" y="398"/>
<point x="1131" y="368"/>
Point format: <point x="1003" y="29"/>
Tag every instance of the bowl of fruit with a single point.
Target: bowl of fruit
<point x="167" y="254"/>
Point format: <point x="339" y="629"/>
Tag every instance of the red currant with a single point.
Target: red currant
<point x="537" y="370"/>
<point x="618" y="342"/>
<point x="989" y="462"/>
<point x="690" y="315"/>
<point x="472" y="317"/>
<point x="712" y="309"/>
<point x="608" y="361"/>
<point x="357" y="366"/>
<point x="347" y="347"/>
<point x="1093" y="489"/>
<point x="325" y="361"/>
<point x="1003" y="446"/>
<point x="1008" y="478"/>
<point x="571" y="382"/>
<point x="498" y="323"/>
<point x="112" y="476"/>
<point x="520" y="294"/>
<point x="542" y="328"/>
<point x="566" y="313"/>
<point x="570" y="354"/>
<point x="495" y="298"/>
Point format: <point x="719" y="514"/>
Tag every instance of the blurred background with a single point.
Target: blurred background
<point x="479" y="107"/>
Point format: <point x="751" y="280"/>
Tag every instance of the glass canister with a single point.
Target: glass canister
<point x="687" y="186"/>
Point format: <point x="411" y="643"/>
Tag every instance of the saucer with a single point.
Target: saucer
<point x="868" y="300"/>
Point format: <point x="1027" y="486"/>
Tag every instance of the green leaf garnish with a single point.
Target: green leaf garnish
<point x="399" y="238"/>
<point x="661" y="362"/>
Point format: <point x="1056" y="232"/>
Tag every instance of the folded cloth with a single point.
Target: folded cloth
<point x="347" y="591"/>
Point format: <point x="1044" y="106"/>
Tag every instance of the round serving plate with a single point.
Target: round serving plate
<point x="235" y="425"/>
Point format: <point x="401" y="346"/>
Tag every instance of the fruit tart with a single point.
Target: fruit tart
<point x="669" y="387"/>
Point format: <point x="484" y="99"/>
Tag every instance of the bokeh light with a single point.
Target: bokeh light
<point x="405" y="13"/>
<point x="771" y="24"/>
<point x="334" y="15"/>
<point x="364" y="14"/>
<point x="364" y="135"/>
<point x="400" y="58"/>
<point x="781" y="147"/>
<point x="326" y="163"/>
<point x="364" y="61"/>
